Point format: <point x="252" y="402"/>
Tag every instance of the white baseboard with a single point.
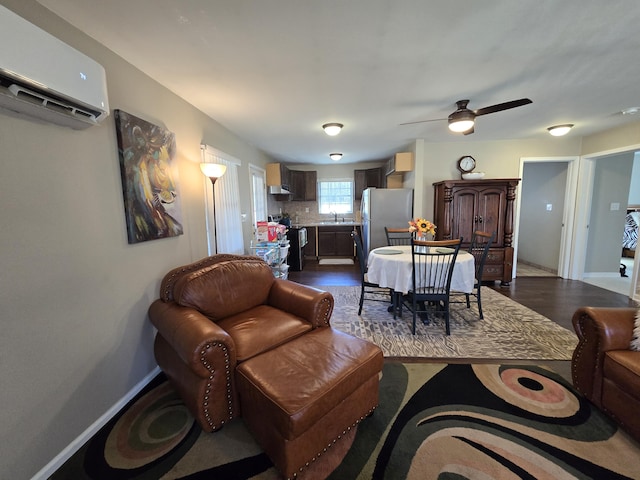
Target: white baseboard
<point x="51" y="467"/>
<point x="601" y="275"/>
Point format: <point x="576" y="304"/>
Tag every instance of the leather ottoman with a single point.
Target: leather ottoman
<point x="300" y="398"/>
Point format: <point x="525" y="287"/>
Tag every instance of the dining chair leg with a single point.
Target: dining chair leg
<point x="361" y="300"/>
<point x="397" y="304"/>
<point x="468" y="303"/>
<point x="415" y="308"/>
<point x="479" y="304"/>
<point x="446" y="317"/>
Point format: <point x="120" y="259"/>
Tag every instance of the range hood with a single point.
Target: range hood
<point x="279" y="190"/>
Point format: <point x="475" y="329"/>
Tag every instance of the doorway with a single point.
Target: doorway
<point x="545" y="204"/>
<point x="612" y="188"/>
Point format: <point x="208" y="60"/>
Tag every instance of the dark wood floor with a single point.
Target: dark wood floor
<point x="553" y="297"/>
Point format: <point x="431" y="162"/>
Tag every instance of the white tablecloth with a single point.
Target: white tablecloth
<point x="394" y="271"/>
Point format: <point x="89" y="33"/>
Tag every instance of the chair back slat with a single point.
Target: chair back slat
<point x="398" y="236"/>
<point x="359" y="253"/>
<point x="479" y="248"/>
<point x="433" y="263"/>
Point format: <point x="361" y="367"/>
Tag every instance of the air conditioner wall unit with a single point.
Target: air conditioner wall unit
<point x="44" y="78"/>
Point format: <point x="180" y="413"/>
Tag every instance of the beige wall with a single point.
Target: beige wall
<point x="73" y="293"/>
<point x="499" y="159"/>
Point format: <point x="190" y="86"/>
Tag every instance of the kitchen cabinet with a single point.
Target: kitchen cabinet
<point x="400" y="162"/>
<point x="310" y="250"/>
<point x="335" y="241"/>
<point x="278" y="175"/>
<point x="462" y="206"/>
<point x="304" y="185"/>
<point x="370" y="177"/>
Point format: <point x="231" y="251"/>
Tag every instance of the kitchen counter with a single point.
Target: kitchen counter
<point x="348" y="223"/>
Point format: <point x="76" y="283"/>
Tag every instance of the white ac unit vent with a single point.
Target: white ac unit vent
<point x="44" y="78"/>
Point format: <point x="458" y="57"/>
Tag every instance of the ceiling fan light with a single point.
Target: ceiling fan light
<point x="332" y="128"/>
<point x="335" y="156"/>
<point x="560" y="130"/>
<point x="462" y="119"/>
<point x="461" y="125"/>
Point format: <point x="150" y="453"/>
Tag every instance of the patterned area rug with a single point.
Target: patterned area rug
<point x="435" y="421"/>
<point x="509" y="331"/>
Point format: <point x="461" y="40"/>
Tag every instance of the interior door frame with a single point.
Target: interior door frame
<point x="583" y="214"/>
<point x="565" y="258"/>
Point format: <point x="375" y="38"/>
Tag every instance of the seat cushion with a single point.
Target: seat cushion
<point x="296" y="384"/>
<point x="262" y="328"/>
<point x="622" y="368"/>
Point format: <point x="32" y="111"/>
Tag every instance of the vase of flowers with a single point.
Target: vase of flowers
<point x="422" y="228"/>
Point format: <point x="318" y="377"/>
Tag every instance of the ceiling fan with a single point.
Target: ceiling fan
<point x="463" y="119"/>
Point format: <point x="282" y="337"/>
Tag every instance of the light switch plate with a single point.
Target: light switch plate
<point x="615" y="206"/>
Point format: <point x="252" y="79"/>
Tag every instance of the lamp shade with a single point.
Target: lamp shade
<point x="213" y="170"/>
<point x="560" y="130"/>
<point x="332" y="128"/>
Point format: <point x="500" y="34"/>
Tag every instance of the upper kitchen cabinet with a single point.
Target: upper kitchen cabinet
<point x="304" y="185"/>
<point x="400" y="163"/>
<point x="278" y="175"/>
<point x="370" y="177"/>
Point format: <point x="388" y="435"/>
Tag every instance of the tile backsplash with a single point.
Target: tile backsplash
<point x="302" y="213"/>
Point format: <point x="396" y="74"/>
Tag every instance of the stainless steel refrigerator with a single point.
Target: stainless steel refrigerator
<point x="384" y="207"/>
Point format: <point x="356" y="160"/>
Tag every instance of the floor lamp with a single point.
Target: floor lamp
<point x="214" y="171"/>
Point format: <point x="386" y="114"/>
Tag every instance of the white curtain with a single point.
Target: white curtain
<point x="228" y="219"/>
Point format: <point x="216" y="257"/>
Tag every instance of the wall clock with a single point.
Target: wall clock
<point x="466" y="164"/>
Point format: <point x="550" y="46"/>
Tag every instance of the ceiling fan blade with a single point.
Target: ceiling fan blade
<point x="502" y="106"/>
<point x="424" y="121"/>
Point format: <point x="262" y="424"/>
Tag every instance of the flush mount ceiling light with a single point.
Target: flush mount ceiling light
<point x="332" y="128"/>
<point x="560" y="130"/>
<point x="335" y="156"/>
<point x="631" y="111"/>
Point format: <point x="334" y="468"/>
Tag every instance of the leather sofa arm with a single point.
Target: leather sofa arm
<point x="191" y="335"/>
<point x="599" y="330"/>
<point x="310" y="303"/>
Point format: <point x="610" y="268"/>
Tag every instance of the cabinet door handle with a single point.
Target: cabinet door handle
<point x="480" y="219"/>
<point x="475" y="219"/>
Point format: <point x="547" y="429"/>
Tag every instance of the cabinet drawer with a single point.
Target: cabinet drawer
<point x="495" y="257"/>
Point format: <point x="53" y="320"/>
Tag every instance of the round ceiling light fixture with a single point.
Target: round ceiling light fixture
<point x="332" y="128"/>
<point x="335" y="156"/>
<point x="461" y="120"/>
<point x="631" y="111"/>
<point x="560" y="130"/>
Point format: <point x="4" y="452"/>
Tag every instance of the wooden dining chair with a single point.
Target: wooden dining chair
<point x="398" y="236"/>
<point x="374" y="291"/>
<point x="432" y="265"/>
<point x="479" y="248"/>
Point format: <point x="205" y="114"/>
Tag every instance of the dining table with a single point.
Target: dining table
<point x="392" y="267"/>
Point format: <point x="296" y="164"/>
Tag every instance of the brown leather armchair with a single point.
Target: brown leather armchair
<point x="218" y="312"/>
<point x="603" y="368"/>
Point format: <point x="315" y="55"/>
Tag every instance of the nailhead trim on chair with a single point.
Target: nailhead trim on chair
<point x="207" y="365"/>
<point x="327" y="311"/>
<point x="331" y="444"/>
<point x="578" y="352"/>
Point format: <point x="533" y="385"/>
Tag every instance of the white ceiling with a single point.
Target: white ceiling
<point x="274" y="71"/>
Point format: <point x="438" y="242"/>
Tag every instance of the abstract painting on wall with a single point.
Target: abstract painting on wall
<point x="149" y="179"/>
